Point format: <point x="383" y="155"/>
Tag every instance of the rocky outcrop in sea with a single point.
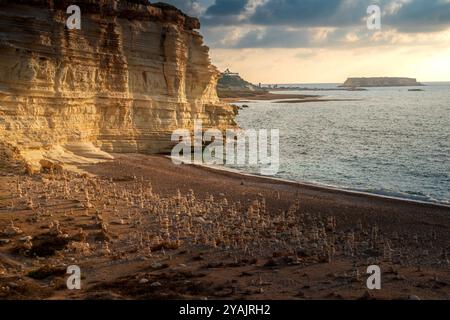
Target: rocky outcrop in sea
<point x="380" y="82"/>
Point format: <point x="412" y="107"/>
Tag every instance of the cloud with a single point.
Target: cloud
<point x="310" y="12"/>
<point x="312" y="23"/>
<point x="421" y="16"/>
<point x="287" y="12"/>
<point x="426" y="14"/>
<point x="226" y="7"/>
<point x="193" y="8"/>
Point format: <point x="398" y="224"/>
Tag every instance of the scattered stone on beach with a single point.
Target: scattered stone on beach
<point x="80" y="236"/>
<point x="105" y="248"/>
<point x="191" y="226"/>
<point x="26" y="238"/>
<point x="156" y="265"/>
<point x="119" y="222"/>
<point x="54" y="228"/>
<point x="79" y="247"/>
<point x="4" y="241"/>
<point x="156" y="284"/>
<point x="11" y="230"/>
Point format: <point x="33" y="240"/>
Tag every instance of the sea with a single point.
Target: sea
<point x="388" y="141"/>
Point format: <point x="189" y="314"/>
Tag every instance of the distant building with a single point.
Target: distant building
<point x="229" y="73"/>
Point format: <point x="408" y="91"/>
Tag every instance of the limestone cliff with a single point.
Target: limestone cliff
<point x="123" y="83"/>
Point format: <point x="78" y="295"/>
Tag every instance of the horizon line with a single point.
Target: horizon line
<point x="290" y="83"/>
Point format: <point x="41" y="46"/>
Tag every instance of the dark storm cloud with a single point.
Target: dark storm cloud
<point x="416" y="14"/>
<point x="288" y="12"/>
<point x="226" y="7"/>
<point x="421" y="16"/>
<point x="279" y="20"/>
<point x="310" y="12"/>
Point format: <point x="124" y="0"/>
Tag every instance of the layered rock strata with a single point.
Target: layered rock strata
<point x="123" y="83"/>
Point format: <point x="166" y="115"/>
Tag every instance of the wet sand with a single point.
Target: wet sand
<point x="313" y="100"/>
<point x="242" y="97"/>
<point x="140" y="227"/>
<point x="237" y="96"/>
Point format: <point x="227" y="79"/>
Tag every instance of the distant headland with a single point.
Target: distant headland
<point x="231" y="88"/>
<point x="380" y="82"/>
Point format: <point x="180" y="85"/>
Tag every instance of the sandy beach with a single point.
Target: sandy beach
<point x="95" y="96"/>
<point x="140" y="227"/>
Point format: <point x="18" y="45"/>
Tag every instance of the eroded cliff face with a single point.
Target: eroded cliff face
<point x="123" y="83"/>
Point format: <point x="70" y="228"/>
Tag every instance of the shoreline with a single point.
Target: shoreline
<point x="274" y="97"/>
<point x="236" y="96"/>
<point x="141" y="227"/>
<point x="192" y="172"/>
<point x="322" y="186"/>
<point x="313" y="100"/>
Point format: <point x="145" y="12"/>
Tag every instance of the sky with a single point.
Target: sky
<point x="325" y="41"/>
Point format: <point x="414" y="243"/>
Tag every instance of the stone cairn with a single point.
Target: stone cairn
<point x="159" y="223"/>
